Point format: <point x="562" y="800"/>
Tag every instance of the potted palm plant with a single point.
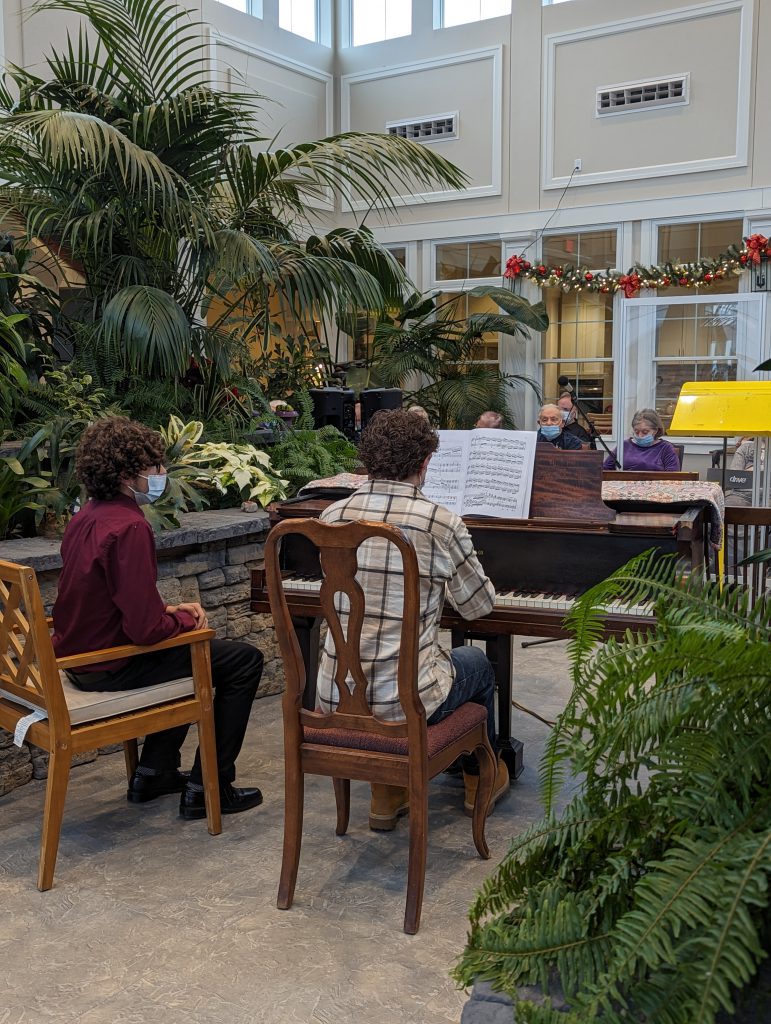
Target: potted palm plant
<point x="646" y="900"/>
<point x="431" y="350"/>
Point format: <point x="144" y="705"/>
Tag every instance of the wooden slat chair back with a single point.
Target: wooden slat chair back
<point x="32" y="679"/>
<point x="351" y="742"/>
<point x="747" y="531"/>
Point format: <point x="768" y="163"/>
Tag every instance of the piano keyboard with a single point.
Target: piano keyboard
<point x="503" y="599"/>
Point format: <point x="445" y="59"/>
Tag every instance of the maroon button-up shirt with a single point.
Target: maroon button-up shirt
<point x="107" y="588"/>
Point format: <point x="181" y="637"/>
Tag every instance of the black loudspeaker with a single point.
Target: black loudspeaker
<point x="375" y="399"/>
<point x="334" y="407"/>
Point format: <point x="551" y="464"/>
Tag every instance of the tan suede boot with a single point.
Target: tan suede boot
<point x="388" y="803"/>
<point x="471" y="784"/>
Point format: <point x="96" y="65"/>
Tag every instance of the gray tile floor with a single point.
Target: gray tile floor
<point x="151" y="919"/>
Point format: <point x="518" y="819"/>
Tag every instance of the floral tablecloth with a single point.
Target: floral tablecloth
<point x="673" y="492"/>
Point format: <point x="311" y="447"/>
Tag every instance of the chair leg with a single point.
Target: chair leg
<point x="131" y="754"/>
<point x="56" y="790"/>
<point x="416" y="868"/>
<point x="343" y="801"/>
<point x="209" y="775"/>
<point x="487" y="773"/>
<point x="294" y="797"/>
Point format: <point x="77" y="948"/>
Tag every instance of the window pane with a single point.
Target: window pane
<point x="375" y="20"/>
<point x="594" y="249"/>
<point x="239" y="5"/>
<point x="298" y="16"/>
<point x="580" y="343"/>
<point x="460" y="306"/>
<point x="459" y="260"/>
<point x="688" y="243"/>
<point x="399" y="253"/>
<point x="695" y="341"/>
<point x="460" y="12"/>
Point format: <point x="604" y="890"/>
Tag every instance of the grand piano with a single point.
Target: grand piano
<point x="538" y="565"/>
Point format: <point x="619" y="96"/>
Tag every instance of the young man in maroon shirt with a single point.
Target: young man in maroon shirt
<point x="108" y="597"/>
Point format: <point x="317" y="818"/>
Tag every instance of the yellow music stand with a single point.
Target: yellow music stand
<point x="723" y="409"/>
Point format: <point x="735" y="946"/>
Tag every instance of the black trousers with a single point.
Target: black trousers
<point x="236" y="670"/>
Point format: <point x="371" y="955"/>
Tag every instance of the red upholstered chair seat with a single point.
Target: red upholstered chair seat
<point x="441" y="735"/>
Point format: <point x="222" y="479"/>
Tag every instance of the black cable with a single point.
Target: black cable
<point x="540" y="235"/>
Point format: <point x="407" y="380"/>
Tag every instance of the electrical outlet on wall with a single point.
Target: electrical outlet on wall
<point x="577" y="164"/>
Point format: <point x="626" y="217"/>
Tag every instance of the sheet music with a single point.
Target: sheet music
<point x="483" y="472"/>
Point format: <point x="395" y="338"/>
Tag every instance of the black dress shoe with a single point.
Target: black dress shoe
<point x="143" y="787"/>
<point x="232" y="801"/>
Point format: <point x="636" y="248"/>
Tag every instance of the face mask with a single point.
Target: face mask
<point x="644" y="442"/>
<point x="551" y="432"/>
<point x="565" y="413"/>
<point x="156" y="485"/>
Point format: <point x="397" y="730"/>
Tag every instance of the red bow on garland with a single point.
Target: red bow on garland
<point x="515" y="265"/>
<point x="630" y="283"/>
<point x="757" y="246"/>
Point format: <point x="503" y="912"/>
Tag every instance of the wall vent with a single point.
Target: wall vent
<point x="434" y="128"/>
<point x="621" y="99"/>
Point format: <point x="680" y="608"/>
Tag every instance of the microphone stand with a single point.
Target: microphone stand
<point x="594" y="434"/>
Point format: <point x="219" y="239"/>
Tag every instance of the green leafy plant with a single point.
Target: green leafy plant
<point x="241" y="468"/>
<point x="49" y="456"/>
<point x="303" y="454"/>
<point x="432" y="344"/>
<point x="13" y="376"/>
<point x="646" y="899"/>
<point x="18" y="493"/>
<point x="125" y="156"/>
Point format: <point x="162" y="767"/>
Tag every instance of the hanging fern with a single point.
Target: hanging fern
<point x="646" y="900"/>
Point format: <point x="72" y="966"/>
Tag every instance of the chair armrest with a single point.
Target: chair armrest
<point x="131" y="650"/>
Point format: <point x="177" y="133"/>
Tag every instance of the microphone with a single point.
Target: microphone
<point x="565" y="384"/>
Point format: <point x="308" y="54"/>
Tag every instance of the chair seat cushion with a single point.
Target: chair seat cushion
<point x="91" y="705"/>
<point x="467" y="717"/>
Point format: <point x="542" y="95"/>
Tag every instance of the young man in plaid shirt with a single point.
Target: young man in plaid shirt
<point x="396" y="448"/>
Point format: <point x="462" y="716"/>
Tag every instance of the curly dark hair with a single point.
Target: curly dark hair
<point x="115" y="449"/>
<point x="395" y="443"/>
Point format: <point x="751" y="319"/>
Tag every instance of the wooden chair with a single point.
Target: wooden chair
<point x="351" y="742"/>
<point x="747" y="531"/>
<point x="33" y="679"/>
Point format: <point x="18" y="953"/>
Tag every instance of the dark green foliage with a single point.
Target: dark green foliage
<point x="305" y="454"/>
<point x="439" y="346"/>
<point x="646" y="899"/>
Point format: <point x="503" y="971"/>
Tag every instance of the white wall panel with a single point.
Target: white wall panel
<point x="710" y="41"/>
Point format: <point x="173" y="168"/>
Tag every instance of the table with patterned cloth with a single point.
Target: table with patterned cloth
<point x="671" y="492"/>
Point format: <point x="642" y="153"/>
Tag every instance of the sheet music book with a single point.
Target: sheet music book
<point x="483" y="472"/>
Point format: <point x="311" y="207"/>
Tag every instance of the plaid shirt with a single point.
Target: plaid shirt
<point x="448" y="566"/>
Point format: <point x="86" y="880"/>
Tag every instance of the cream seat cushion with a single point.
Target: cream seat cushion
<point x="90" y="706"/>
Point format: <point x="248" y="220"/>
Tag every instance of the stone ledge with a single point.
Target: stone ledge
<point x="43" y="555"/>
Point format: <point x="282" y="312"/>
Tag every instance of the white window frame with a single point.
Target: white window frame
<point x="253" y="8"/>
<point x="439" y="17"/>
<point x="623" y="259"/>
<point x="346" y="27"/>
<point x="322" y="8"/>
<point x="638" y="350"/>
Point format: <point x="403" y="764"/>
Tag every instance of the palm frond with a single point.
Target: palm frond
<point x="149" y="328"/>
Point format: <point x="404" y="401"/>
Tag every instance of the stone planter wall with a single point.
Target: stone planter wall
<point x="209" y="559"/>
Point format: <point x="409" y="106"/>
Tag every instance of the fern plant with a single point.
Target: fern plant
<point x="303" y="454"/>
<point x="646" y="899"/>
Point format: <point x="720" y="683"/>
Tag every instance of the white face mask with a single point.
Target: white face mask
<point x="156" y="485"/>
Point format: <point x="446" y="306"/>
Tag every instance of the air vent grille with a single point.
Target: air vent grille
<point x="426" y="129"/>
<point x="620" y="99"/>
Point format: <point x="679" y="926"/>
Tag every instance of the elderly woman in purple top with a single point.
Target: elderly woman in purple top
<point x="646" y="449"/>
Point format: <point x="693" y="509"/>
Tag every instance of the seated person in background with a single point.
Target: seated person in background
<point x="743" y="459"/>
<point x="550" y="429"/>
<point x="418" y="410"/>
<point x="396" y="448"/>
<point x="647" y="450"/>
<point x="570" y="423"/>
<point x="491" y="420"/>
<point x="108" y="597"/>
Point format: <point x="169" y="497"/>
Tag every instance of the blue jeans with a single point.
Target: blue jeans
<point x="474" y="682"/>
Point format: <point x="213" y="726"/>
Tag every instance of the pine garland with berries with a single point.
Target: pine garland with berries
<point x="701" y="274"/>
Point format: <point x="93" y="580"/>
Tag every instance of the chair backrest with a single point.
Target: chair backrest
<point x="27" y="661"/>
<point x="747" y="531"/>
<point x="338" y="547"/>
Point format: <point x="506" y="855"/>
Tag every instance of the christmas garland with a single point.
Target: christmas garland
<point x="732" y="263"/>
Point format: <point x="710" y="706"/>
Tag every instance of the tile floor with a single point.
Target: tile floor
<point x="152" y="920"/>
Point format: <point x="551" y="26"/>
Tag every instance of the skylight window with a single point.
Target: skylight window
<point x="376" y="20"/>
